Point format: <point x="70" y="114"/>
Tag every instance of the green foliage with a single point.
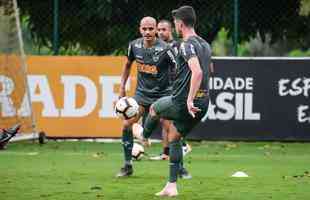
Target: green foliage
<point x="119" y="52"/>
<point x="222" y="44"/>
<point x="256" y="46"/>
<point x="102" y="26"/>
<point x="304" y="7"/>
<point x="299" y="53"/>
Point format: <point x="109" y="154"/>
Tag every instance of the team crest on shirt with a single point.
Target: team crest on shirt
<point x="138" y="45"/>
<point x="159" y="49"/>
<point x="155" y="57"/>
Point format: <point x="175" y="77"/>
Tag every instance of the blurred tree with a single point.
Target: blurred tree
<point x="305" y="8"/>
<point x="105" y="26"/>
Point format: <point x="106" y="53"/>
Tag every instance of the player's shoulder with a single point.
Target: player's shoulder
<point x="194" y="42"/>
<point x="198" y="41"/>
<point x="174" y="43"/>
<point x="186" y="46"/>
<point x="161" y="44"/>
<point x="137" y="43"/>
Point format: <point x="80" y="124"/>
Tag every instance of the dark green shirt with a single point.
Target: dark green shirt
<point x="153" y="64"/>
<point x="194" y="46"/>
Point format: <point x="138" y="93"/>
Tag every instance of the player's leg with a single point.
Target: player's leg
<point x="127" y="142"/>
<point x="180" y="127"/>
<point x="165" y="142"/>
<point x="162" y="108"/>
<point x="175" y="160"/>
<point x="164" y="155"/>
<point x="178" y="130"/>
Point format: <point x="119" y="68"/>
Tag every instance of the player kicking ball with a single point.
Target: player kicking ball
<point x="190" y="97"/>
<point x="164" y="32"/>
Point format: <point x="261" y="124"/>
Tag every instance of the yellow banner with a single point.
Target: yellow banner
<point x="75" y="96"/>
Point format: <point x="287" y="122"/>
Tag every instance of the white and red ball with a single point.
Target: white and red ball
<point x="126" y="108"/>
<point x="137" y="151"/>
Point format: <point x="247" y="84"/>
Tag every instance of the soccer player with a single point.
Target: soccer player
<point x="7" y="134"/>
<point x="164" y="31"/>
<point x="154" y="57"/>
<point x="190" y="98"/>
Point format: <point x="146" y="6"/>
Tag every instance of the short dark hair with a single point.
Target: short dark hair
<point x="186" y="14"/>
<point x="165" y="21"/>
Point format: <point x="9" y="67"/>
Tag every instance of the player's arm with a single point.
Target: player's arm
<point x="196" y="79"/>
<point x="189" y="54"/>
<point x="126" y="72"/>
<point x="124" y="77"/>
<point x="211" y="69"/>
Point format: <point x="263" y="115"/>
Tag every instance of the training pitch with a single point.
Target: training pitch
<point x="86" y="170"/>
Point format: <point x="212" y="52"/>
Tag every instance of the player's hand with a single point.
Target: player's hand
<point x="192" y="110"/>
<point x="122" y="93"/>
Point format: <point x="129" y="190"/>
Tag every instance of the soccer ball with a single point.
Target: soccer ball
<point x="137" y="151"/>
<point x="126" y="108"/>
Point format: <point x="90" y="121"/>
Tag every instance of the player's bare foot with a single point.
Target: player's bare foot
<point x="170" y="190"/>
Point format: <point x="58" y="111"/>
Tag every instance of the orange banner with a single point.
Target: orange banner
<point x="75" y="96"/>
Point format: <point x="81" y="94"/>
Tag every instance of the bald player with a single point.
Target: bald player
<point x="154" y="59"/>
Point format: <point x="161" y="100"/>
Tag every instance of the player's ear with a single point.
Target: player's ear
<point x="140" y="30"/>
<point x="181" y="25"/>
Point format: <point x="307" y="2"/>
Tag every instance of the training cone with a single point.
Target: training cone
<point x="240" y="174"/>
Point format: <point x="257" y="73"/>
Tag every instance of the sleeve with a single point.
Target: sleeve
<point x="130" y="53"/>
<point x="187" y="50"/>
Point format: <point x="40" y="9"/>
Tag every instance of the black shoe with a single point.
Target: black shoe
<point x="125" y="171"/>
<point x="184" y="174"/>
<point x="13" y="130"/>
<point x="4" y="137"/>
<point x="7" y="134"/>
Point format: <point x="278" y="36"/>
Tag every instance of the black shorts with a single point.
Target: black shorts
<point x="166" y="108"/>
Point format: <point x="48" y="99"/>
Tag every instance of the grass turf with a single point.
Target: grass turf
<point x="83" y="170"/>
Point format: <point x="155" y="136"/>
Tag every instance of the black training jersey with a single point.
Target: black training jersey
<point x="174" y="45"/>
<point x="194" y="46"/>
<point x="153" y="68"/>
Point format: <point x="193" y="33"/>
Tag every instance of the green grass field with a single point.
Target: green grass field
<point x="85" y="170"/>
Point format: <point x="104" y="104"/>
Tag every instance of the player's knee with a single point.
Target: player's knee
<point x="152" y="111"/>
